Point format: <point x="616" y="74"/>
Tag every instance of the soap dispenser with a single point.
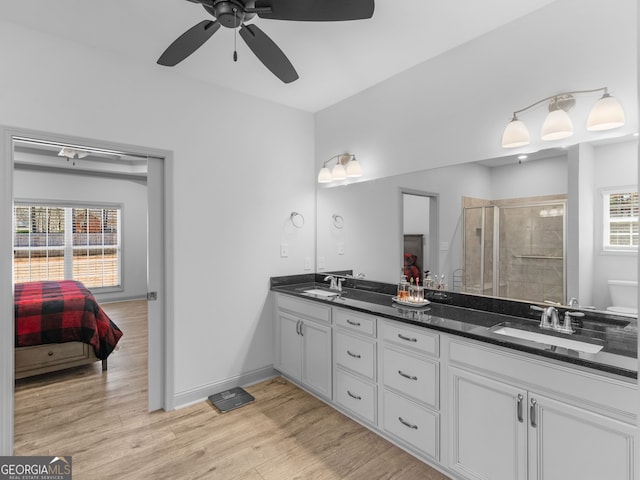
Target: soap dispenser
<point x="428" y="281"/>
<point x="403" y="289"/>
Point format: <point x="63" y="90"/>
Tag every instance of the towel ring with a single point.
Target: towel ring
<point x="297" y="219"/>
<point x="338" y="221"/>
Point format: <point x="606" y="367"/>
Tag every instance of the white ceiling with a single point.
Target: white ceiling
<point x="334" y="60"/>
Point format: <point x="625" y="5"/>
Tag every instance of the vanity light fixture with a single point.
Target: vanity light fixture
<point x="606" y="114"/>
<point x="346" y="166"/>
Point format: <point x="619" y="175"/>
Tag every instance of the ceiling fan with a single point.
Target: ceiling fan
<point x="234" y="14"/>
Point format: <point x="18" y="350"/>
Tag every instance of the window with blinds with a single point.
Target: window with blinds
<point x="75" y="243"/>
<point x="620" y="221"/>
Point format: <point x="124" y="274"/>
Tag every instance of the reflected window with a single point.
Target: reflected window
<point x="620" y="221"/>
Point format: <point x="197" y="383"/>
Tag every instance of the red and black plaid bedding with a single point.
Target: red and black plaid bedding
<point x="62" y="311"/>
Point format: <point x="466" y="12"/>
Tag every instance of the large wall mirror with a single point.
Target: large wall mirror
<point x="538" y="229"/>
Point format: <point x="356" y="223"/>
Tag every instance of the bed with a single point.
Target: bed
<point x="58" y="325"/>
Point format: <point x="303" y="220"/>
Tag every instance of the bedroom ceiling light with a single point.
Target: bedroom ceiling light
<point x="606" y="114"/>
<point x="72" y="153"/>
<point x="346" y="167"/>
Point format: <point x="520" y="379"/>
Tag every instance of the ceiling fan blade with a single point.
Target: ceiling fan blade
<point x="316" y="10"/>
<point x="188" y="42"/>
<point x="268" y="53"/>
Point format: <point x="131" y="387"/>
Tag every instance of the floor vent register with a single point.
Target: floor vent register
<point x="231" y="399"/>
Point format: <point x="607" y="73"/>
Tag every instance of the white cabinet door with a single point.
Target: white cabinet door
<point x="288" y="356"/>
<point x="569" y="442"/>
<point x="488" y="429"/>
<point x="316" y="357"/>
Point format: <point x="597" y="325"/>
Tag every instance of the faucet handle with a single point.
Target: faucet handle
<point x="566" y="324"/>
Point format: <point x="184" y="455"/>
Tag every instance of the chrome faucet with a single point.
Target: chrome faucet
<point x="335" y="285"/>
<point x="549" y="319"/>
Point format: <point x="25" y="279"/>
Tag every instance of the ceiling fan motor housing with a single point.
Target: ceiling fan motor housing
<point x="230" y="13"/>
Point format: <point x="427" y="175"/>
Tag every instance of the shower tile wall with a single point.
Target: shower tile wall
<point x="530" y="254"/>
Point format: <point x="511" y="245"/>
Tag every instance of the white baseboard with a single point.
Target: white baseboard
<point x="199" y="394"/>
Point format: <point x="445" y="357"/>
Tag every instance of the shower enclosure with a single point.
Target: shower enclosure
<point x="514" y="249"/>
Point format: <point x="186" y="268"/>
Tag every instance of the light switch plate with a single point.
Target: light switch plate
<point x="284" y="250"/>
<point x="307" y="263"/>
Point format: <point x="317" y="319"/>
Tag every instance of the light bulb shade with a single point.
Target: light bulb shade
<point x="353" y="169"/>
<point x="338" y="172"/>
<point x="556" y="126"/>
<point x="606" y="114"/>
<point x="515" y="134"/>
<point x="324" y="176"/>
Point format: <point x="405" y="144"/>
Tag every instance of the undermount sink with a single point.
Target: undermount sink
<point x="540" y="337"/>
<point x="322" y="293"/>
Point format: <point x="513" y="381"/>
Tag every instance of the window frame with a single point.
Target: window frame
<point x="606" y="248"/>
<point x="19" y="202"/>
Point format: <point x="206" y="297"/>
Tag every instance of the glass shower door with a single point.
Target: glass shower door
<point x="479" y="250"/>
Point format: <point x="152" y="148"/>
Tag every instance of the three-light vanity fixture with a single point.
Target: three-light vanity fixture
<point x="606" y="114"/>
<point x="346" y="166"/>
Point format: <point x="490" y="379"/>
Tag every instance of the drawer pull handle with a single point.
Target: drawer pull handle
<point x="407" y="424"/>
<point x="355" y="324"/>
<point x="410" y="377"/>
<point x="519" y="405"/>
<point x="532" y="413"/>
<point x="354" y="355"/>
<point x="357" y="397"/>
<point x="50" y="353"/>
<point x="408" y="339"/>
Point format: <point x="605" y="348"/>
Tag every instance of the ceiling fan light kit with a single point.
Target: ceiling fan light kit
<point x="234" y="14"/>
<point x="606" y="114"/>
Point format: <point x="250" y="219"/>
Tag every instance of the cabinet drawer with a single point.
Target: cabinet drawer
<point x="411" y="375"/>
<point x="419" y="339"/>
<point x="412" y="423"/>
<point x="51" y="354"/>
<point x="356" y="395"/>
<point x="356" y="354"/>
<point x="356" y="322"/>
<point x="304" y="308"/>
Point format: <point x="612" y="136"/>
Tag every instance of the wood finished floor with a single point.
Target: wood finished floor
<point x="101" y="419"/>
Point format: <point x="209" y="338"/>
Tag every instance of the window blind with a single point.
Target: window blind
<point x="621" y="221"/>
<point x="77" y="243"/>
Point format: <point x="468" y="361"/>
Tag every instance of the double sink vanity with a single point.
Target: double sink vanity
<point x="470" y="385"/>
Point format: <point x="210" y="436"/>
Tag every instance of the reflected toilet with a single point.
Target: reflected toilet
<point x="624" y="297"/>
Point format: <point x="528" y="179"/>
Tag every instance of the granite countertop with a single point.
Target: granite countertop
<point x="617" y="335"/>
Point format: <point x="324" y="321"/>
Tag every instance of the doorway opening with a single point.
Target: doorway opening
<point x="419" y="233"/>
<point x="85" y="170"/>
